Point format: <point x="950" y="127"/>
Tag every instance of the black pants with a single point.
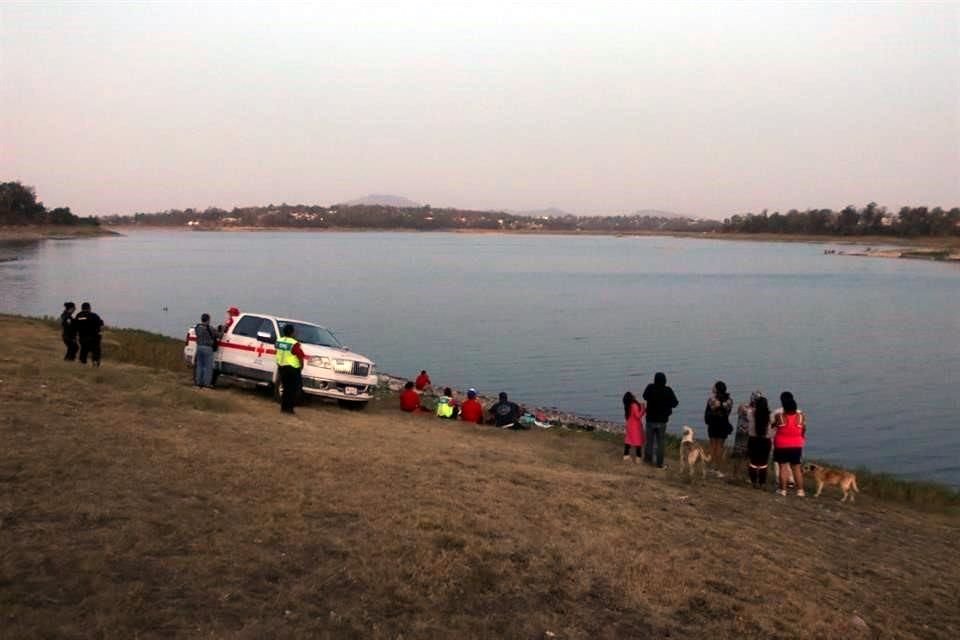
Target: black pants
<point x="90" y="346"/>
<point x="626" y="450"/>
<point x="290" y="380"/>
<point x="758" y="452"/>
<point x="72" y="346"/>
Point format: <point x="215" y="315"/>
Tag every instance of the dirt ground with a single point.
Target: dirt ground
<point x="135" y="506"/>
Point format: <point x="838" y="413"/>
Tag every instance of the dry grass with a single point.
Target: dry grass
<point x="132" y="505"/>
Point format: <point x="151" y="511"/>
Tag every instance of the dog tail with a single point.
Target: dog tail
<point x="853" y="485"/>
<point x="706" y="456"/>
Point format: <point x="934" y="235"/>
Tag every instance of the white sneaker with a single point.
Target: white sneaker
<point x="781" y="492"/>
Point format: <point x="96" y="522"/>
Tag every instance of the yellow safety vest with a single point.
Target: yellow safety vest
<point x="444" y="408"/>
<point x="285" y="357"/>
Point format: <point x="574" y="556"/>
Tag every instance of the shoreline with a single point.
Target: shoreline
<point x="157" y="351"/>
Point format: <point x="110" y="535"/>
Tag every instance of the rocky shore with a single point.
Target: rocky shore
<point x="550" y="415"/>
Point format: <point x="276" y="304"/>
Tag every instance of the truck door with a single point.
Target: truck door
<point x="243" y="352"/>
<point x="265" y="356"/>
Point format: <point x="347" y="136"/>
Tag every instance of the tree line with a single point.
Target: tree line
<point x="424" y="218"/>
<point x="19" y="206"/>
<point x="872" y="220"/>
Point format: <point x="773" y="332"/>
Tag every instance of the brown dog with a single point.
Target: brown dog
<point x="846" y="480"/>
<point x="691" y="453"/>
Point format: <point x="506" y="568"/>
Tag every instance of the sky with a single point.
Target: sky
<point x="705" y="109"/>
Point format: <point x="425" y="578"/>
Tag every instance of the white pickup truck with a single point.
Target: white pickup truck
<point x="247" y="352"/>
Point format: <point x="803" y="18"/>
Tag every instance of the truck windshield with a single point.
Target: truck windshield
<point x="312" y="334"/>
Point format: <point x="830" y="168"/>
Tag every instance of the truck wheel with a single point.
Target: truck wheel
<point x="277" y="389"/>
<point x="353" y="405"/>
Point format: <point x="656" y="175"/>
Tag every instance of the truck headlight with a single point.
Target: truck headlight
<point x="320" y="361"/>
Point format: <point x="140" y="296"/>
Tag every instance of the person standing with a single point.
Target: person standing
<point x="69" y="331"/>
<point x="89" y="326"/>
<point x="757" y="422"/>
<point x="661" y="401"/>
<point x="290" y="359"/>
<point x="207" y="338"/>
<point x="633" y="412"/>
<point x="717" y="416"/>
<point x="790" y="435"/>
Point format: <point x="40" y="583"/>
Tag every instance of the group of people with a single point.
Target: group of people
<point x="504" y="413"/>
<point x="81" y="333"/>
<point x="758" y="431"/>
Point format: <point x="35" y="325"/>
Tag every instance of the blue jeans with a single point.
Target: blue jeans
<point x="203" y="366"/>
<point x="655" y="432"/>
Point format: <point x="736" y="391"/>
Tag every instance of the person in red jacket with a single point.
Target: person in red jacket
<point x="409" y="399"/>
<point x="423" y="381"/>
<point x="472" y="410"/>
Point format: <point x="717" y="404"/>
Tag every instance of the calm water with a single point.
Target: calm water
<point x="870" y="347"/>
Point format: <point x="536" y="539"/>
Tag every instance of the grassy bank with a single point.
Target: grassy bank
<point x="133" y="505"/>
<point x="931" y="497"/>
<point x="134" y="346"/>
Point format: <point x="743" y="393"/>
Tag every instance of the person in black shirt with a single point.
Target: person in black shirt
<point x="661" y="401"/>
<point x="88" y="326"/>
<point x="505" y="414"/>
<point x="69" y="331"/>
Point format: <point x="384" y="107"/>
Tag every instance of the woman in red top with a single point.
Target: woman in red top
<point x="633" y="412"/>
<point x="789" y="437"/>
<point x="423" y="381"/>
<point x="409" y="399"/>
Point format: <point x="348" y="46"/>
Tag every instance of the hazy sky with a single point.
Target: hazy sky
<point x="705" y="109"/>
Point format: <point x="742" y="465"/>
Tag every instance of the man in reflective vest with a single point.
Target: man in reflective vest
<point x="290" y="360"/>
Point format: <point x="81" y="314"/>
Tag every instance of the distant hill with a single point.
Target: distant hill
<point x="384" y="200"/>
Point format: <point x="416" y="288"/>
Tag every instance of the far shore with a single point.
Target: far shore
<point x="931" y="248"/>
<point x="53" y="232"/>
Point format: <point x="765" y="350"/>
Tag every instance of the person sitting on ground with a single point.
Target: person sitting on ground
<point x="717" y="416"/>
<point x="504" y="413"/>
<point x="447" y="405"/>
<point x="409" y="399"/>
<point x="472" y="410"/>
<point x="633" y="411"/>
<point x="423" y="382"/>
<point x="790" y="434"/>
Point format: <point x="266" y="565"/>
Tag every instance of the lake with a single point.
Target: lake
<point x="870" y="347"/>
